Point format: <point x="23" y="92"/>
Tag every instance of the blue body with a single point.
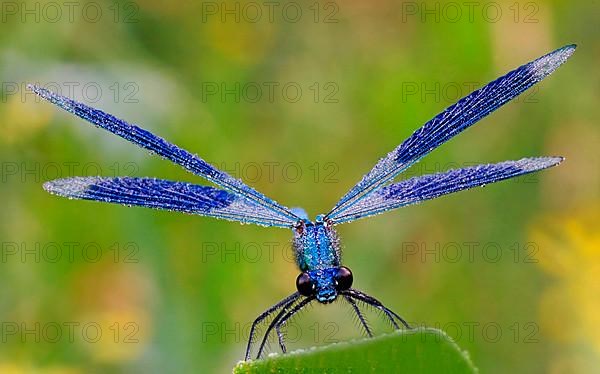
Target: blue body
<point x="318" y="253"/>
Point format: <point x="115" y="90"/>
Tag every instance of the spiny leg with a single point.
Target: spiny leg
<point x="271" y="325"/>
<point x="361" y="318"/>
<point x="281" y="336"/>
<point x="283" y="310"/>
<point x="377" y="304"/>
<point x="280" y="339"/>
<point x="289" y="315"/>
<point x="293" y="297"/>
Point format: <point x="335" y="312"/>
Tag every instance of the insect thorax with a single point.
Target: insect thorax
<point x="316" y="245"/>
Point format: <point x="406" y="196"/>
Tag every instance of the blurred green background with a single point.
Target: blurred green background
<point x="299" y="99"/>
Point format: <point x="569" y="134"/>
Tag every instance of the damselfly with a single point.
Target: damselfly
<point x="322" y="277"/>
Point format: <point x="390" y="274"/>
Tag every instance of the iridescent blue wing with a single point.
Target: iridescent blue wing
<point x="169" y="195"/>
<point x="161" y="147"/>
<point x="426" y="187"/>
<point x="451" y="122"/>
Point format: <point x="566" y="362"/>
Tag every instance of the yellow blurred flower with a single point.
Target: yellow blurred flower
<point x="20" y="119"/>
<point x="243" y="42"/>
<point x="115" y="316"/>
<point x="13" y="368"/>
<point x="569" y="309"/>
<point x="116" y="336"/>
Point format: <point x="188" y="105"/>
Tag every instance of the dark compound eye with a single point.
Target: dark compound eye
<point x="305" y="285"/>
<point x="300" y="228"/>
<point x="343" y="279"/>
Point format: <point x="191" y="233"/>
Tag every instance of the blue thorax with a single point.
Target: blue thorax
<point x="317" y="253"/>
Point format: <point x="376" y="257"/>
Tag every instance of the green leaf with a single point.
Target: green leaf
<point x="423" y="350"/>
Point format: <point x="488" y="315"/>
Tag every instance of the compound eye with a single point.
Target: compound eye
<point x="300" y="227"/>
<point x="343" y="279"/>
<point x="305" y="285"/>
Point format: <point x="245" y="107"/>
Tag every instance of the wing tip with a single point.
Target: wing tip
<point x="61" y="101"/>
<point x="69" y="187"/>
<point x="40" y="91"/>
<point x="539" y="163"/>
<point x="554" y="160"/>
<point x="545" y="65"/>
